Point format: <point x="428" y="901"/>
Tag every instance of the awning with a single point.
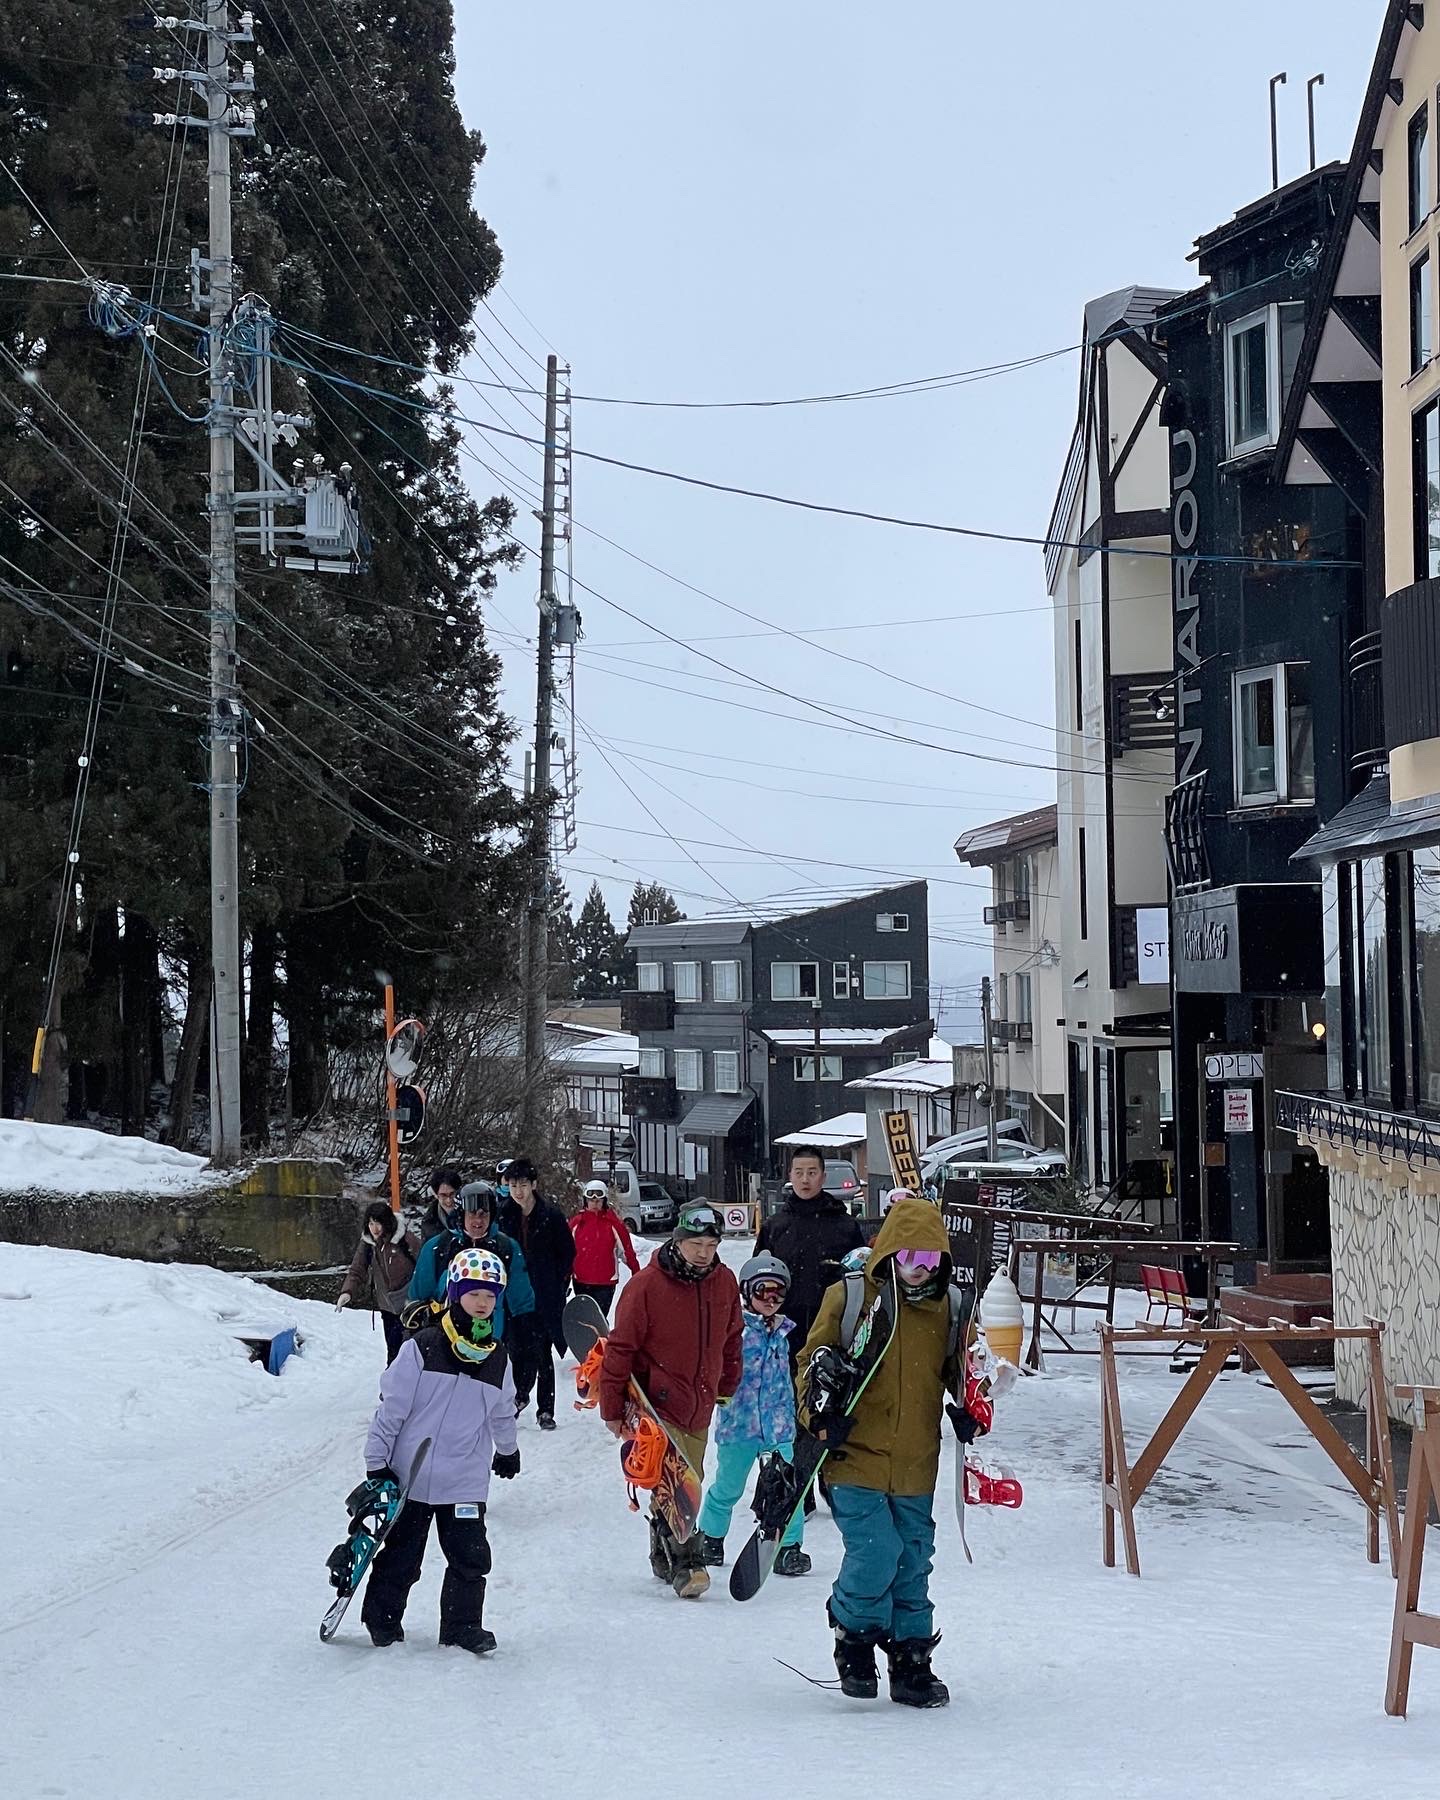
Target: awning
<point x="1370" y="825"/>
<point x="843" y="1129"/>
<point x="715" y="1116"/>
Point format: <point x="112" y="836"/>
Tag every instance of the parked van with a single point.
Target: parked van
<point x="644" y="1205"/>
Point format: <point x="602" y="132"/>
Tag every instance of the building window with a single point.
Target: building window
<point x="1022" y="879"/>
<point x="651" y="977"/>
<point x="690" y="1071"/>
<point x="1425" y="884"/>
<point x="1083" y="883"/>
<point x="727" y="1071"/>
<point x="1426" y="457"/>
<point x="687" y="981"/>
<point x="892" y="921"/>
<point x="1419" y="168"/>
<point x="1079" y="682"/>
<point x="1372" y="977"/>
<point x="1274" y="735"/>
<point x="1252" y="382"/>
<point x="1422" y="334"/>
<point x="840" y="980"/>
<point x="795" y="981"/>
<point x="887" y="981"/>
<point x="652" y="1062"/>
<point x="725" y="981"/>
<point x="831" y="1068"/>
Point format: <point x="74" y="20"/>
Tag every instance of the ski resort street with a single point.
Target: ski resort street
<point x="171" y="1507"/>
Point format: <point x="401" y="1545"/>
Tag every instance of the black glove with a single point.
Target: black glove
<point x="832" y="1429"/>
<point x="385" y="1474"/>
<point x="506" y="1464"/>
<point x="967" y="1426"/>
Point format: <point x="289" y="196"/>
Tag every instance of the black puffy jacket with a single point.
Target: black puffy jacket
<point x="810" y="1237"/>
<point x="549" y="1245"/>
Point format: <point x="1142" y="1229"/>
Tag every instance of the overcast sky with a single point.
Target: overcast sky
<point x="762" y="201"/>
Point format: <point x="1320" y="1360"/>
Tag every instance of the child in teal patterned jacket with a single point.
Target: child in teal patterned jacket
<point x="759" y="1419"/>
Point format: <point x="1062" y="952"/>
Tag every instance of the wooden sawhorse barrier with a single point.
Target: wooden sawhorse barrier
<point x="1412" y="1626"/>
<point x="1122" y="1483"/>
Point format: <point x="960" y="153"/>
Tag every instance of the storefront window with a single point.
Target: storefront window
<point x="1425" y="886"/>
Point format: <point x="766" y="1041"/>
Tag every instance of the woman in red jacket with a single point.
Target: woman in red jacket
<point x="600" y="1233"/>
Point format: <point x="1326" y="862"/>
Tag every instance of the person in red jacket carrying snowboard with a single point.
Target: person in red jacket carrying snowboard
<point x="678" y="1331"/>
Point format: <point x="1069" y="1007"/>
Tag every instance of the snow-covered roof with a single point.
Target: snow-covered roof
<point x="73" y="1159"/>
<point x="600" y="1049"/>
<point x="844" y="1128"/>
<point x="837" y="1037"/>
<point x="926" y="1075"/>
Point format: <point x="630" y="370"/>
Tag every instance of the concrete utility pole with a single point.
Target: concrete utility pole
<point x="536" y="962"/>
<point x="225" y="712"/>
<point x="992" y="1152"/>
<point x="819" y="1091"/>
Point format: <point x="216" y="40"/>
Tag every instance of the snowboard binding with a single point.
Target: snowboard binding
<point x="371" y="1506"/>
<point x="777" y="1493"/>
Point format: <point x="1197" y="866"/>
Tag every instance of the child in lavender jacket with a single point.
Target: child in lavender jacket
<point x="760" y="1418"/>
<point x="452" y="1384"/>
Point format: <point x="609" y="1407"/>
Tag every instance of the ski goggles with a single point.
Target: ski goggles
<point x="929" y="1260"/>
<point x="767" y="1290"/>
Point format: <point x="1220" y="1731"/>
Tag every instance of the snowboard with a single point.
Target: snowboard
<point x="678" y="1492"/>
<point x="781" y="1489"/>
<point x="362" y="1547"/>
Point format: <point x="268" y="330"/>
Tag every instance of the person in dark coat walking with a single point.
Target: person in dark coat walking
<point x="383" y="1266"/>
<point x="811" y="1233"/>
<point x="444" y="1187"/>
<point x="543" y="1234"/>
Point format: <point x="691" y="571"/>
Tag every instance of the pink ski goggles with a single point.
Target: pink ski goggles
<point x="929" y="1260"/>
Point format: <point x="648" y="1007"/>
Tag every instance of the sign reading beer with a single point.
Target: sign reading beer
<point x="900" y="1142"/>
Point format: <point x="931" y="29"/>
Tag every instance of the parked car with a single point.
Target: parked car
<point x="842" y="1181"/>
<point x="1014" y="1162"/>
<point x="651" y="1212"/>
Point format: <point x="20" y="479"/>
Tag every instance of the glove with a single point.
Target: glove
<point x="506" y="1464"/>
<point x="832" y="1429"/>
<point x="967" y="1426"/>
<point x="385" y="1474"/>
<point x="344" y="1300"/>
<point x="724" y="1399"/>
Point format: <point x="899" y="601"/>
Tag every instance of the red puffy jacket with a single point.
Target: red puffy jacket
<point x="680" y="1340"/>
<point x="596" y="1236"/>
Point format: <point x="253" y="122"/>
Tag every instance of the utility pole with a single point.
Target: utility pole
<point x="536" y="967"/>
<point x="992" y="1152"/>
<point x="225" y="713"/>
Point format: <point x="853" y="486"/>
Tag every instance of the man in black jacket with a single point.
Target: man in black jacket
<point x="810" y="1233"/>
<point x="543" y="1233"/>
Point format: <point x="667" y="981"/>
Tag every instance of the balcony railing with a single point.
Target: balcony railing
<point x="1139" y="718"/>
<point x="1367" y="706"/>
<point x="647" y="1011"/>
<point x="1185" y="850"/>
<point x="1349" y="1125"/>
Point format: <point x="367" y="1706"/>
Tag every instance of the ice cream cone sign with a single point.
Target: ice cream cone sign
<point x="1002" y="1318"/>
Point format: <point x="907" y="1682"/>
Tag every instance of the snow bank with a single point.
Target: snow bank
<point x="73" y="1159"/>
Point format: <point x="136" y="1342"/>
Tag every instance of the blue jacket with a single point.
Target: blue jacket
<point x="763" y="1410"/>
<point x="433" y="1267"/>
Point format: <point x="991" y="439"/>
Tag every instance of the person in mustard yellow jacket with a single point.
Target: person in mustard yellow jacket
<point x="885" y="1455"/>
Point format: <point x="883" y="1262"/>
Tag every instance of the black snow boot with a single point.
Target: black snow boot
<point x="855" y="1662"/>
<point x="546" y="1421"/>
<point x="662" y="1550"/>
<point x="474" y="1638"/>
<point x="710" y="1550"/>
<point x="382" y="1636"/>
<point x="911" y="1680"/>
<point x="792" y="1560"/>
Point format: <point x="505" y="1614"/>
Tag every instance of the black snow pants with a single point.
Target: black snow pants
<point x="533" y="1363"/>
<point x="397" y="1568"/>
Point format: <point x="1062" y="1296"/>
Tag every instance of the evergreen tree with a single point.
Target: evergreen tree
<point x="599" y="949"/>
<point x="376" y="828"/>
<point x="652" y="904"/>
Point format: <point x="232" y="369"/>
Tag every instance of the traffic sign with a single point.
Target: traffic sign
<point x="409" y="1112"/>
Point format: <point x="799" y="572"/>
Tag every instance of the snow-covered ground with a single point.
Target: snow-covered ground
<point x="73" y="1159"/>
<point x="169" y="1508"/>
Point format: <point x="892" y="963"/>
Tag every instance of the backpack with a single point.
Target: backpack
<point x="961" y="1308"/>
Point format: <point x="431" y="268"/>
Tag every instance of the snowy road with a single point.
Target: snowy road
<point x="171" y="1508"/>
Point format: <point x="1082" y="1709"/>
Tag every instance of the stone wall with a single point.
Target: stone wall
<point x="1385" y="1249"/>
<point x="282" y="1214"/>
